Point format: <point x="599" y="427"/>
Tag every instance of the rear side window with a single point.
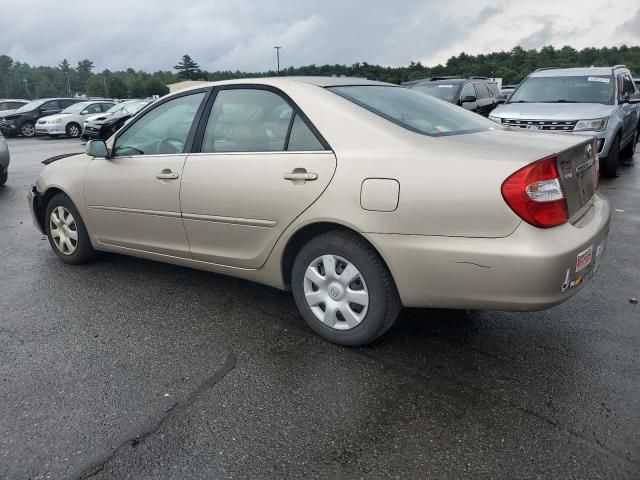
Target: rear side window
<point x="106" y="106"/>
<point x="301" y="139"/>
<point x="482" y="91"/>
<point x="414" y="111"/>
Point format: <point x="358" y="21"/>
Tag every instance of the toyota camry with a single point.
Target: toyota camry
<point x="358" y="196"/>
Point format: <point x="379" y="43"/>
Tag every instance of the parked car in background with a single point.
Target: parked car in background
<point x="477" y="94"/>
<point x="295" y="183"/>
<point x="602" y="102"/>
<point x="507" y="91"/>
<point x="103" y="116"/>
<point x="70" y="121"/>
<point x="23" y="120"/>
<point x="104" y="128"/>
<point x="4" y="160"/>
<point x="8" y="105"/>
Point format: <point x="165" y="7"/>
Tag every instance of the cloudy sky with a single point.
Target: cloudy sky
<point x="240" y="34"/>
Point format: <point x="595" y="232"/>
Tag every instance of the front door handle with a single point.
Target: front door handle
<point x="167" y="174"/>
<point x="301" y="176"/>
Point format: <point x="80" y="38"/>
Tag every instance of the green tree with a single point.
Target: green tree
<point x="95" y="86"/>
<point x="116" y="87"/>
<point x="155" y="87"/>
<point x="84" y="69"/>
<point x="187" y="68"/>
<point x="136" y="88"/>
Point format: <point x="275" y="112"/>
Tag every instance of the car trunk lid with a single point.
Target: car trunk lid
<point x="577" y="166"/>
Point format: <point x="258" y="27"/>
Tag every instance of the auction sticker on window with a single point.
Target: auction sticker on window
<point x="598" y="79"/>
<point x="584" y="258"/>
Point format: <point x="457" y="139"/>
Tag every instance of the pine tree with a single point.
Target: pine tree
<point x="187" y="68"/>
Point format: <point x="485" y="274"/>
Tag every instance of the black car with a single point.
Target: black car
<point x="478" y="94"/>
<point x="23" y="120"/>
<point x="106" y="126"/>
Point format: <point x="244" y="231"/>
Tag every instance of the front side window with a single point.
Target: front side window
<point x="566" y="89"/>
<point x="51" y="105"/>
<point x="413" y="111"/>
<point x="247" y="120"/>
<point x="163" y="130"/>
<point x="467" y="91"/>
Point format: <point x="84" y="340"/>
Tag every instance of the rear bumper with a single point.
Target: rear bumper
<point x="531" y="269"/>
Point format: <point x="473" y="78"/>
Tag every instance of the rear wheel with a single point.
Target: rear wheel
<point x="66" y="231"/>
<point x="609" y="165"/>
<point x="343" y="289"/>
<point x="3" y="177"/>
<point x="73" y="130"/>
<point x="630" y="150"/>
<point x="28" y="129"/>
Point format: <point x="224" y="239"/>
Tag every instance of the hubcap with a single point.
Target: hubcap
<point x="63" y="230"/>
<point x="336" y="292"/>
<point x="73" y="130"/>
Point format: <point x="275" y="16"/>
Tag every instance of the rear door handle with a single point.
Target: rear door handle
<point x="304" y="176"/>
<point x="167" y="174"/>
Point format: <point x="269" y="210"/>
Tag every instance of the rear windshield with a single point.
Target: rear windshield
<point x="582" y="89"/>
<point x="414" y="111"/>
<point x="449" y="92"/>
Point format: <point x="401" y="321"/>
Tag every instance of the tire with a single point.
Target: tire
<point x="630" y="150"/>
<point x="81" y="251"/>
<point x="609" y="164"/>
<point x="3" y="177"/>
<point x="344" y="250"/>
<point x="28" y="129"/>
<point x="73" y="130"/>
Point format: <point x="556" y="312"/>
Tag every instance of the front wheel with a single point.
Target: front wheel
<point x="343" y="289"/>
<point x="73" y="130"/>
<point x="609" y="164"/>
<point x="3" y="177"/>
<point x="28" y="129"/>
<point x="66" y="231"/>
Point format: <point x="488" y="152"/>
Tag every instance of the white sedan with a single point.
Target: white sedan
<point x="70" y="121"/>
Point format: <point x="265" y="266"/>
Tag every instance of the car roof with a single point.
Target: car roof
<point x="284" y="81"/>
<point x="574" y="72"/>
<point x="14" y="100"/>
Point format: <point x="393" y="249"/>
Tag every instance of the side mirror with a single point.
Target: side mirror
<point x="469" y="99"/>
<point x="502" y="97"/>
<point x="97" y="148"/>
<point x="635" y="98"/>
<point x="41" y="110"/>
<point x="84" y="112"/>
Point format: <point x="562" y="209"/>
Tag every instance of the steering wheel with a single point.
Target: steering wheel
<point x="170" y="145"/>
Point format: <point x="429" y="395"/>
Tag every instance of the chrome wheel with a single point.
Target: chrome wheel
<point x="336" y="292"/>
<point x="28" y="130"/>
<point x="64" y="230"/>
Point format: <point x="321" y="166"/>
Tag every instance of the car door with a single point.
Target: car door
<point x="261" y="164"/>
<point x="485" y="102"/>
<point x="133" y="197"/>
<point x="629" y="111"/>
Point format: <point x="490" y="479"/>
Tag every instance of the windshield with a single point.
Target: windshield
<point x="582" y="89"/>
<point x="30" y="106"/>
<point x="414" y="111"/>
<point x="134" y="107"/>
<point x="116" y="108"/>
<point x="444" y="91"/>
<point x="75" y="108"/>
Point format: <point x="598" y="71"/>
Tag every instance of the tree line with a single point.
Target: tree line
<point x="21" y="80"/>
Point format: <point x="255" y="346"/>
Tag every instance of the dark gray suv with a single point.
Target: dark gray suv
<point x="478" y="94"/>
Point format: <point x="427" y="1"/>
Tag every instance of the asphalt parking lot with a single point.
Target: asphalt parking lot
<point x="128" y="368"/>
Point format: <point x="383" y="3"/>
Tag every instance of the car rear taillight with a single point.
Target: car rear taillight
<point x="534" y="193"/>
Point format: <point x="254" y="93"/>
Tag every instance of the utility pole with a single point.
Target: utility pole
<point x="26" y="86"/>
<point x="278" y="58"/>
